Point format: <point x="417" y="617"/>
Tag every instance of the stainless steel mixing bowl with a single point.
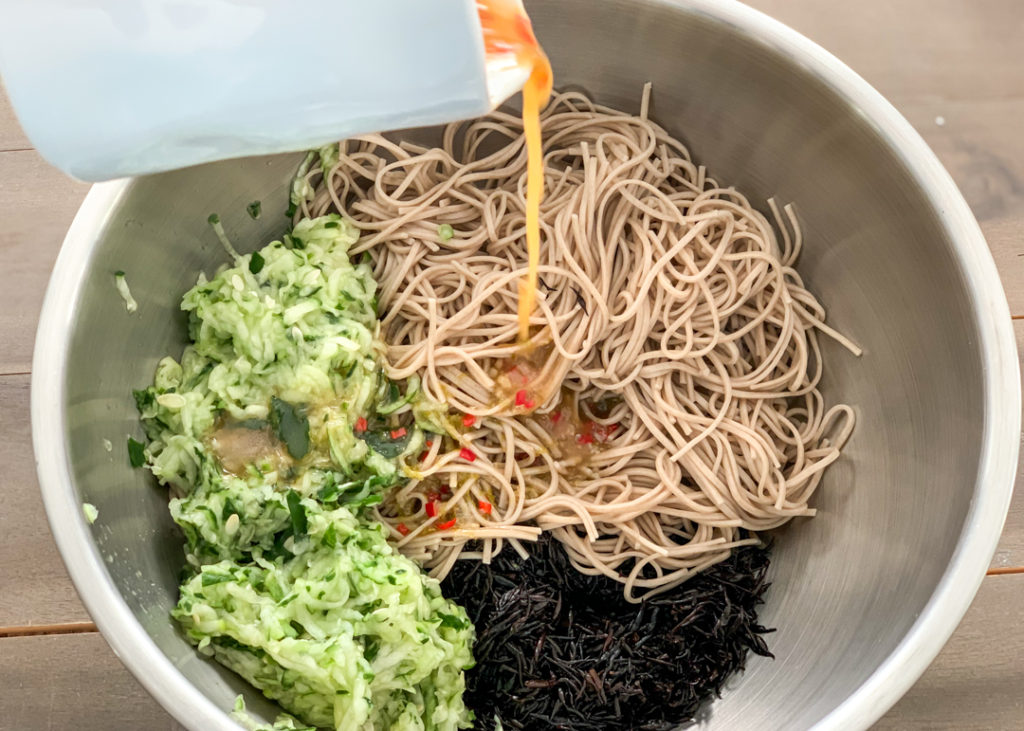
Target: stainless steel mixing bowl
<point x="864" y="595"/>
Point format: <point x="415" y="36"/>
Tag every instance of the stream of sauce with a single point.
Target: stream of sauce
<point x="507" y="29"/>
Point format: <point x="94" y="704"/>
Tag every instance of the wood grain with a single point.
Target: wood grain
<point x="70" y="628"/>
<point x="943" y="49"/>
<point x="34" y="586"/>
<point x="38" y="204"/>
<point x="951" y="67"/>
<point x="977" y="681"/>
<point x="72" y="682"/>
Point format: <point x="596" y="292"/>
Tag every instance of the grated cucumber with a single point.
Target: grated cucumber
<point x="287" y="583"/>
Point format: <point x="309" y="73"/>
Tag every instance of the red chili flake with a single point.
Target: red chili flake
<point x="467" y="454"/>
<point x="485" y="507"/>
<point x="430" y="443"/>
<point x="446" y="525"/>
<point x="468" y="420"/>
<point x="361" y="424"/>
<point x="556" y="417"/>
<point x="431" y="509"/>
<point x="585" y="439"/>
<point x="424" y="454"/>
<point x="445" y="490"/>
<point x="402" y="528"/>
<point x="398" y="433"/>
<point x="605" y="431"/>
<point x="522" y="398"/>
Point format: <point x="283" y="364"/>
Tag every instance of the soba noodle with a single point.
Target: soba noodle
<point x="672" y="337"/>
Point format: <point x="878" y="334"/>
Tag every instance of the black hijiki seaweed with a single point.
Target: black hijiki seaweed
<point x="557" y="649"/>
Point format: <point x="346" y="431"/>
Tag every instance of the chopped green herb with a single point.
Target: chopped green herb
<point x="229" y="509"/>
<point x="330" y="490"/>
<point x="255" y="209"/>
<point x="136" y="453"/>
<point x="210" y="578"/>
<point x="445" y="232"/>
<point x="331" y="537"/>
<point x="291" y="426"/>
<point x="356" y="493"/>
<point x="452" y="622"/>
<point x="143" y="398"/>
<point x="90" y="512"/>
<point x="256" y="262"/>
<point x="383" y="444"/>
<point x="297" y="513"/>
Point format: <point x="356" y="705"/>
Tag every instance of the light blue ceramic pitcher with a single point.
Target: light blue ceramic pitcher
<point x="111" y="88"/>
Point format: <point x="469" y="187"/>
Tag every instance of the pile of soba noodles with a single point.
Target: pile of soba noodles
<point x="666" y="405"/>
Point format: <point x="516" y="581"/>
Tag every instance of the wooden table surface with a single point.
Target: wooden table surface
<point x="954" y="68"/>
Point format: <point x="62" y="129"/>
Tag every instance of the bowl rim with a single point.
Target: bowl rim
<point x="890" y="680"/>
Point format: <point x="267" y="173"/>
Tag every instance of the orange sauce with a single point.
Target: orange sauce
<point x="508" y="30"/>
<point x="535" y="95"/>
<point x="523" y="382"/>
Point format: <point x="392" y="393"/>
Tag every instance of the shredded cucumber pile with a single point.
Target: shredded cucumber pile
<point x="346" y="632"/>
<point x="255" y="432"/>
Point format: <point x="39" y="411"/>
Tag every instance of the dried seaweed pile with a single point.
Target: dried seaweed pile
<point x="557" y="649"/>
